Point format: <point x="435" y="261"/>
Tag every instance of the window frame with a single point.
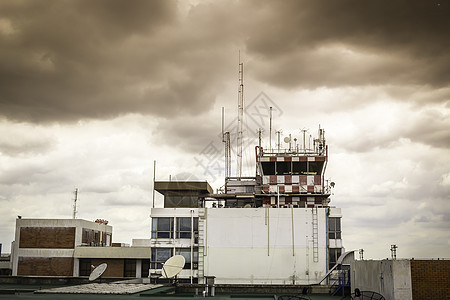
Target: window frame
<point x="157" y="233"/>
<point x="156" y="262"/>
<point x="334" y="228"/>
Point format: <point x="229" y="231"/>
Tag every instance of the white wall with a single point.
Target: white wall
<point x="256" y="245"/>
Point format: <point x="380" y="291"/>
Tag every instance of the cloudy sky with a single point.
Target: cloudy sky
<point x="92" y="92"/>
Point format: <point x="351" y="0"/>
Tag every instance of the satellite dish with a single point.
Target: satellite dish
<point x="287" y="139"/>
<point x="248" y="205"/>
<point x="173" y="266"/>
<point x="97" y="272"/>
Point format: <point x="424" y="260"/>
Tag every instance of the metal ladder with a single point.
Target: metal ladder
<point x="201" y="244"/>
<point x="315" y="227"/>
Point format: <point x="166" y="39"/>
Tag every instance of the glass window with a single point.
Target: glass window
<point x="333" y="256"/>
<point x="284" y="168"/>
<point x="85" y="267"/>
<point x="268" y="168"/>
<point x="129" y="268"/>
<point x="162" y="228"/>
<point x="186" y="253"/>
<point x="184" y="227"/>
<point x="159" y="257"/>
<point x="144" y="268"/>
<point x="334" y="228"/>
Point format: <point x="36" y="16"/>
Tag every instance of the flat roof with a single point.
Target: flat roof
<point x="199" y="187"/>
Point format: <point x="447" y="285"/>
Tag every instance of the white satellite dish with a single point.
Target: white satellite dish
<point x="287" y="139"/>
<point x="173" y="266"/>
<point x="98" y="271"/>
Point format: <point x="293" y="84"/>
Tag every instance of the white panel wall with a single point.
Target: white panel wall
<point x="257" y="245"/>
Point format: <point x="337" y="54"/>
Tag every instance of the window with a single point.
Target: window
<point x="129" y="268"/>
<point x="333" y="255"/>
<point x="184" y="227"/>
<point x="334" y="228"/>
<point x="84" y="267"/>
<point x="159" y="257"/>
<point x="186" y="253"/>
<point x="268" y="168"/>
<point x="162" y="228"/>
<point x="144" y="268"/>
<point x="284" y="168"/>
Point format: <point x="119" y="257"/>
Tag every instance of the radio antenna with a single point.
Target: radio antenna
<point x="240" y="116"/>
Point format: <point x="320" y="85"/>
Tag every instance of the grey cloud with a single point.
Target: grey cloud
<point x="66" y="61"/>
<point x="401" y="42"/>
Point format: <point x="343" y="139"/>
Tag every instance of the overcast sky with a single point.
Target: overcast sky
<point x="92" y="92"/>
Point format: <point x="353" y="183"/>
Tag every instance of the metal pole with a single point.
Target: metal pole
<point x="154" y="175"/>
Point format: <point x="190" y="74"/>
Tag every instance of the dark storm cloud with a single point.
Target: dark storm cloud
<point x="352" y="42"/>
<point x="68" y="60"/>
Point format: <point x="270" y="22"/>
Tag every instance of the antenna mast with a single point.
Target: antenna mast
<point x="154" y="178"/>
<point x="74" y="215"/>
<point x="270" y="130"/>
<point x="240" y="115"/>
<point x="227" y="145"/>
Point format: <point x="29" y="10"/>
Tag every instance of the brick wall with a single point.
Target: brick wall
<point x="45" y="266"/>
<point x="115" y="267"/>
<point x="47" y="237"/>
<point x="430" y="279"/>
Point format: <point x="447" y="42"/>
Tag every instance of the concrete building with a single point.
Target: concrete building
<point x="46" y="247"/>
<point x="274" y="228"/>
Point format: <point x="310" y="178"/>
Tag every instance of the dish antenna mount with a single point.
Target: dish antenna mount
<point x="173" y="266"/>
<point x="98" y="272"/>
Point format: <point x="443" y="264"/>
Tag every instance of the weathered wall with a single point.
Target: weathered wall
<point x="264" y="246"/>
<point x="47" y="237"/>
<point x="392" y="279"/>
<point x="45" y="266"/>
<point x="430" y="279"/>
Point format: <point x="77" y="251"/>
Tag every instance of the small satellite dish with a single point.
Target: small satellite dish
<point x="287" y="139"/>
<point x="98" y="271"/>
<point x="173" y="266"/>
<point x="248" y="205"/>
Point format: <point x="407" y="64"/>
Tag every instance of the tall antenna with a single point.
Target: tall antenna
<point x="227" y="146"/>
<point x="74" y="215"/>
<point x="154" y="176"/>
<point x="270" y="129"/>
<point x="240" y="116"/>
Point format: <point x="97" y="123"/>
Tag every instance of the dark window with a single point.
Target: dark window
<point x="334" y="228"/>
<point x="180" y="200"/>
<point x="184" y="227"/>
<point x="159" y="257"/>
<point x="84" y="267"/>
<point x="298" y="167"/>
<point x="315" y="167"/>
<point x="334" y="254"/>
<point x="129" y="268"/>
<point x="144" y="268"/>
<point x="284" y="168"/>
<point x="162" y="228"/>
<point x="268" y="168"/>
